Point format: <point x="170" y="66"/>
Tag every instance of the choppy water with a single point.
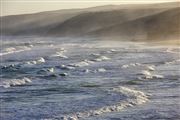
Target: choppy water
<point x="61" y="78"/>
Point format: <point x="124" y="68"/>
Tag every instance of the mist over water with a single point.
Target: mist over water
<point x="87" y="79"/>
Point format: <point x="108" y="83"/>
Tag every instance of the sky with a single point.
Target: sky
<point x="13" y="7"/>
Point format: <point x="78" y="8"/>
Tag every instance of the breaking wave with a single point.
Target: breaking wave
<point x="11" y="50"/>
<point x="14" y="82"/>
<point x="133" y="97"/>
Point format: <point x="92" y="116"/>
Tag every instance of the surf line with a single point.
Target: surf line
<point x="135" y="98"/>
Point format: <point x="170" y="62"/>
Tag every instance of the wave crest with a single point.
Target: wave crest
<point x="134" y="97"/>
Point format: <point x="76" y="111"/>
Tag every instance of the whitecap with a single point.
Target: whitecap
<point x="131" y="65"/>
<point x="101" y="70"/>
<point x="31" y="45"/>
<point x="150" y="76"/>
<point x="59" y="54"/>
<point x="62" y="50"/>
<point x="79" y="64"/>
<point x="31" y="62"/>
<point x="101" y="58"/>
<point x="88" y="61"/>
<point x="86" y="70"/>
<point x="51" y="45"/>
<point x="125" y="66"/>
<point x="157" y="76"/>
<point x="111" y="51"/>
<point x="95" y="54"/>
<point x="63" y="74"/>
<point x="41" y="60"/>
<point x="128" y="91"/>
<point x="138" y="64"/>
<point x="50" y="70"/>
<point x="11" y="50"/>
<point x="66" y="67"/>
<point x="133" y="97"/>
<point x="46" y="71"/>
<point x="27" y="79"/>
<point x="144" y="77"/>
<point x="8" y="51"/>
<point x="150" y="68"/>
<point x="145" y="72"/>
<point x="9" y="66"/>
<point x="15" y="82"/>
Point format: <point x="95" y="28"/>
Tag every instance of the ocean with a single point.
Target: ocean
<point x="88" y="79"/>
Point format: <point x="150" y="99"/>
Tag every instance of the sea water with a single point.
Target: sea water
<point x="88" y="79"/>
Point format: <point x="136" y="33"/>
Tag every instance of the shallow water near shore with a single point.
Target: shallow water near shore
<point x="88" y="79"/>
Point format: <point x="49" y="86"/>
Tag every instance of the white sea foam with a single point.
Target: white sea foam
<point x="131" y="92"/>
<point x="111" y="51"/>
<point x="11" y="50"/>
<point x="50" y="70"/>
<point x="59" y="54"/>
<point x="61" y="50"/>
<point x="33" y="62"/>
<point x="148" y="75"/>
<point x="41" y="60"/>
<point x="88" y="61"/>
<point x="63" y="74"/>
<point x="157" y="76"/>
<point x="125" y="66"/>
<point x="100" y="70"/>
<point x="46" y="71"/>
<point x="147" y="67"/>
<point x="86" y="70"/>
<point x="31" y="45"/>
<point x="95" y="54"/>
<point x="101" y="58"/>
<point x="15" y="82"/>
<point x="131" y="65"/>
<point x="51" y="45"/>
<point x="150" y="67"/>
<point x="67" y="67"/>
<point x="79" y="64"/>
<point x="145" y="72"/>
<point x="82" y="63"/>
<point x="133" y="97"/>
<point x="8" y="66"/>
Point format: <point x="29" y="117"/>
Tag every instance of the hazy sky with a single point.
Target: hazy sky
<point x="11" y="7"/>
